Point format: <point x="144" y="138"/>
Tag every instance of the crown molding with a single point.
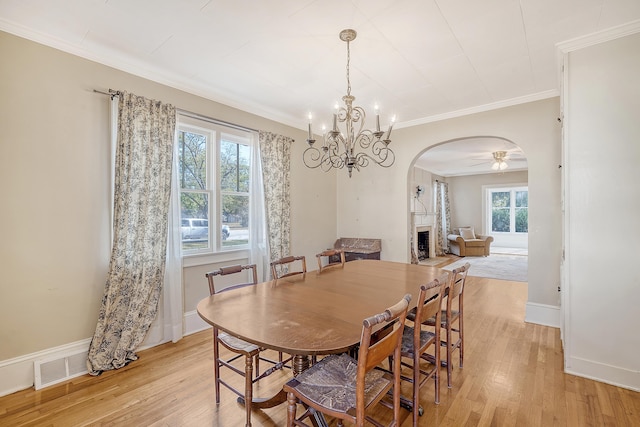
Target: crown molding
<point x="599" y="37"/>
<point x="482" y="108"/>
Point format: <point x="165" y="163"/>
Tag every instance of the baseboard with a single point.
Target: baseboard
<point x="613" y="375"/>
<point x="18" y="373"/>
<point x="193" y="323"/>
<point x="542" y="314"/>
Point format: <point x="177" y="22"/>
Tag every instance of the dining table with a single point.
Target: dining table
<point x="313" y="313"/>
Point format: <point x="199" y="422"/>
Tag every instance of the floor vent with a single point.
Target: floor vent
<point x="53" y="371"/>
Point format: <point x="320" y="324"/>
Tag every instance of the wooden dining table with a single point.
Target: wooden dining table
<point x="314" y="313"/>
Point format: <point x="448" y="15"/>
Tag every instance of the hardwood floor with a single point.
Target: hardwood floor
<point x="512" y="376"/>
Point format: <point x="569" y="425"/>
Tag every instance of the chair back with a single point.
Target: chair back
<point x="456" y="285"/>
<point x="335" y="258"/>
<point x="430" y="302"/>
<point x="283" y="267"/>
<point x="232" y="269"/>
<point x="390" y="324"/>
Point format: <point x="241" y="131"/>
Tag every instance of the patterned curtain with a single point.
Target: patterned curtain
<point x="275" y="151"/>
<point x="141" y="204"/>
<point x="414" y="256"/>
<point x="443" y="217"/>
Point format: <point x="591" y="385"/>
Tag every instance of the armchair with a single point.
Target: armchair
<point x="464" y="242"/>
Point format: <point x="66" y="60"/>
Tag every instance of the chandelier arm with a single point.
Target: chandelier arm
<point x="385" y="161"/>
<point x="334" y="159"/>
<point x="382" y="154"/>
<point x="365" y="138"/>
<point x="312" y="157"/>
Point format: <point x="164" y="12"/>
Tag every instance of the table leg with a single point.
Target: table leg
<point x="300" y="363"/>
<point x="262" y="403"/>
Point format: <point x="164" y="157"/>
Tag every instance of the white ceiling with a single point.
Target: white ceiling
<point x="282" y="59"/>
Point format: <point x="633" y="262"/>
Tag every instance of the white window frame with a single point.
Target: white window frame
<point x="215" y="132"/>
<point x="504" y="239"/>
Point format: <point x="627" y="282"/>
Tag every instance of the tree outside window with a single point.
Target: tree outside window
<point x="509" y="210"/>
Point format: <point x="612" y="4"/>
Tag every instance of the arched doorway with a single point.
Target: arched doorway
<point x="475" y="168"/>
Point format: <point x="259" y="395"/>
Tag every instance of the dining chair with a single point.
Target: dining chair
<point x="417" y="341"/>
<point x="283" y="267"/>
<point x="343" y="387"/>
<point x="237" y="346"/>
<point x="334" y="258"/>
<point x="452" y="315"/>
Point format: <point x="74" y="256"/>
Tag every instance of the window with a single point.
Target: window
<point x="214" y="174"/>
<point x="509" y="210"/>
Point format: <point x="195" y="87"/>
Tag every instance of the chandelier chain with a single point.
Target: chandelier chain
<point x="348" y="73"/>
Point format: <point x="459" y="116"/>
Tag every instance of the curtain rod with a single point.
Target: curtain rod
<point x="212" y="120"/>
<point x="113" y="93"/>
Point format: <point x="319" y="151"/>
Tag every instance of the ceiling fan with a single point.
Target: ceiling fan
<point x="500" y="158"/>
<point x="499" y="161"/>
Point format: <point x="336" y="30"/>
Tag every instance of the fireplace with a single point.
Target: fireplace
<point x="423" y="245"/>
<point x="423" y="241"/>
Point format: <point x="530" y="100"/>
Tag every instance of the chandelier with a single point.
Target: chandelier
<point x="353" y="146"/>
<point x="499" y="161"/>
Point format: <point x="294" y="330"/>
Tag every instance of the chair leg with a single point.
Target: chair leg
<point x="248" y="387"/>
<point x="291" y="409"/>
<point x="416" y="387"/>
<point x="257" y="363"/>
<point x="461" y="335"/>
<point x="216" y="364"/>
<point x="436" y="374"/>
<point x="449" y="356"/>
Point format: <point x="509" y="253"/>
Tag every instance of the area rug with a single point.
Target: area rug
<point x="495" y="266"/>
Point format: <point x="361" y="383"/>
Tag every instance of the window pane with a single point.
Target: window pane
<point x="500" y="215"/>
<point x="501" y="199"/>
<point x="194" y="222"/>
<point x="235" y="217"/>
<point x="522" y="220"/>
<point x="522" y="199"/>
<point x="234" y="166"/>
<point x="193" y="160"/>
<point x="500" y="220"/>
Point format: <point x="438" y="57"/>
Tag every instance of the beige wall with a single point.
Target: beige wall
<point x="54" y="182"/>
<point x="375" y="202"/>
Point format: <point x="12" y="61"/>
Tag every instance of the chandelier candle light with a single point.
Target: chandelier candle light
<point x="339" y="149"/>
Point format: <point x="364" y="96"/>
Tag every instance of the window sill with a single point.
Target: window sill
<point x="232" y="255"/>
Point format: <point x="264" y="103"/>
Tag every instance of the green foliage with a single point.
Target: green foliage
<point x="500" y="220"/>
<point x="501" y="211"/>
<point x="522" y="220"/>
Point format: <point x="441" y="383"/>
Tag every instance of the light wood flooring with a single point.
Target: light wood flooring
<point x="512" y="376"/>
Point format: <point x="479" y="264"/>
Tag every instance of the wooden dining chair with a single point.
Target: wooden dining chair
<point x="417" y="342"/>
<point x="238" y="347"/>
<point x="452" y="319"/>
<point x="284" y="267"/>
<point x="334" y="258"/>
<point x="341" y="387"/>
